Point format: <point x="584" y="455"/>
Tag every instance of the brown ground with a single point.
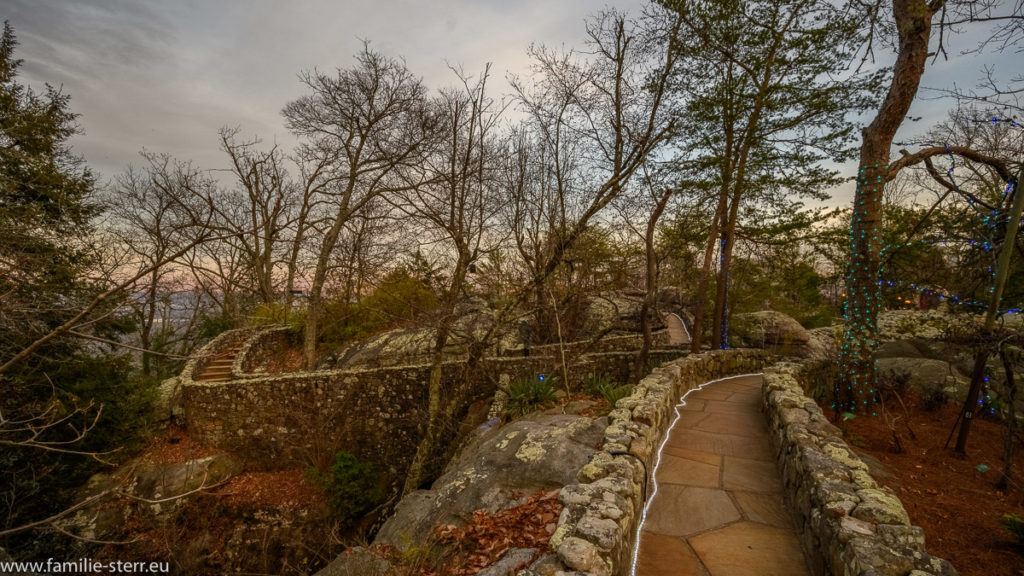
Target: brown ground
<point x="173" y="445"/>
<point x="288" y="489"/>
<point x="195" y="538"/>
<point x="957" y="505"/>
<point x="285" y="362"/>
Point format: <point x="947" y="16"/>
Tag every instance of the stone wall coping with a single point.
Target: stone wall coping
<point x="211" y="349"/>
<point x="250" y="379"/>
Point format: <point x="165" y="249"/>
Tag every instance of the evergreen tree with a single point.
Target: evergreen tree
<point x="45" y="207"/>
<point x="50" y="400"/>
<point x="769" y="94"/>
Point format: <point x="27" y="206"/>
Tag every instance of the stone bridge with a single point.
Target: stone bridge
<point x="749" y="478"/>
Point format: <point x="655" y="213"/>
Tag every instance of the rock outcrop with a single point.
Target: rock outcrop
<point x="771" y="330"/>
<point x="496" y="471"/>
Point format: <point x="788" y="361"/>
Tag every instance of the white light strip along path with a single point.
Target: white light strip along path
<point x="654" y="472"/>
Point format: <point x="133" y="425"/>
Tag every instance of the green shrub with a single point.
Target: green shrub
<point x="528" y="394"/>
<point x="269" y="313"/>
<point x="1015" y="526"/>
<point x="352" y="487"/>
<point x="275" y="313"/>
<point x="595" y="384"/>
<point x="400" y="297"/>
<point x="613" y="395"/>
<point x="602" y="385"/>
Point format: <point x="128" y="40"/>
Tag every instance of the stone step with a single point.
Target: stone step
<point x="219" y="368"/>
<point x="225" y="370"/>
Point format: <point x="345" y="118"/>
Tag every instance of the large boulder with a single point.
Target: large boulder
<point x="927" y="376"/>
<point x="399" y="346"/>
<point x="769" y="329"/>
<point x="497" y="471"/>
<point x="473" y="319"/>
<point x="359" y="561"/>
<point x="157" y="482"/>
<point x="928" y="324"/>
<point x="613" y="311"/>
<point x="823" y="343"/>
<point x="897" y="349"/>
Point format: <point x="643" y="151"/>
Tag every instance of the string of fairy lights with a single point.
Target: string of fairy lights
<point x="724" y="343"/>
<point x="861" y="309"/>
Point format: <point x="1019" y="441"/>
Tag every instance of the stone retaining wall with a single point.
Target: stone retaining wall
<point x="849" y="525"/>
<point x="280" y="421"/>
<point x="596" y="532"/>
<point x="622" y="343"/>
<point x="378" y="414"/>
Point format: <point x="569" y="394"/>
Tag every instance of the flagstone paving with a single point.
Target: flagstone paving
<point x="719" y="508"/>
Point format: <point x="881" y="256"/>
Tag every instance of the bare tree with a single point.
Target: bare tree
<point x="374" y="117"/>
<point x="128" y="272"/>
<point x="150" y="220"/>
<point x="267" y="196"/>
<point x="456" y="198"/>
<point x="595" y="122"/>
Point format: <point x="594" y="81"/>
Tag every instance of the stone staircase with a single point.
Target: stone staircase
<point x="219" y="368"/>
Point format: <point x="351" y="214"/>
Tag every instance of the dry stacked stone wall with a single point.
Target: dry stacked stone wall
<point x="264" y="342"/>
<point x="597" y="529"/>
<point x="378" y="414"/>
<point x="849" y="525"/>
<point x="626" y="342"/>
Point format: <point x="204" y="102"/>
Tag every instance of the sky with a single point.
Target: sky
<point x="164" y="75"/>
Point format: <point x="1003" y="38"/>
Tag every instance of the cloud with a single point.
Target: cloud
<point x="165" y="75"/>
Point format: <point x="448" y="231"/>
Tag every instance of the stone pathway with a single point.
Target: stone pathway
<point x="719" y="508"/>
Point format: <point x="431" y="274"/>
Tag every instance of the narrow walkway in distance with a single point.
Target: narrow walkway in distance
<point x="719" y="508"/>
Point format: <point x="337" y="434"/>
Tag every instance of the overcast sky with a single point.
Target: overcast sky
<point x="164" y="75"/>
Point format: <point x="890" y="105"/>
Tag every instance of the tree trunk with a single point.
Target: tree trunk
<point x="652" y="285"/>
<point x="863" y="297"/>
<point x="718" y="329"/>
<point x="696" y="339"/>
<point x="315" y="307"/>
<point x="311" y="329"/>
<point x="436" y="408"/>
<point x="146" y="332"/>
<point x="1011" y="422"/>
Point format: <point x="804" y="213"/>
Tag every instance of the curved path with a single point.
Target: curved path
<point x="718" y="509"/>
